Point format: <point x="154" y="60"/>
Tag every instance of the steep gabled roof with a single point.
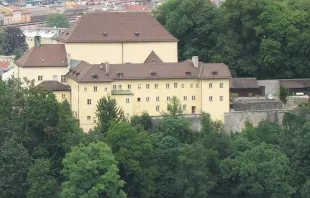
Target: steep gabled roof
<point x="47" y="55"/>
<point x="153" y="58"/>
<point x="53" y="85"/>
<point x="111" y="27"/>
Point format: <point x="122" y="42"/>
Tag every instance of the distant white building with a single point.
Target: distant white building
<point x="47" y="35"/>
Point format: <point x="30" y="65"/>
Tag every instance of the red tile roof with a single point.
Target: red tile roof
<point x="111" y="27"/>
<point x="136" y="7"/>
<point x="4" y="64"/>
<point x="46" y="55"/>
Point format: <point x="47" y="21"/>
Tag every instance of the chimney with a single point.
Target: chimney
<point x="195" y="61"/>
<point x="69" y="60"/>
<point x="37" y="40"/>
<point x="107" y="68"/>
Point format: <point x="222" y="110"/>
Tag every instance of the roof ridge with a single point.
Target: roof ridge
<point x="87" y="70"/>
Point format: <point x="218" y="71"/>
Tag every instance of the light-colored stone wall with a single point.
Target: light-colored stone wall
<point x="271" y="86"/>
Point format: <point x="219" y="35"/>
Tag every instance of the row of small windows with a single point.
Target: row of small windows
<point x="147" y="86"/>
<point x="175" y="85"/>
<point x="147" y="99"/>
<point x="63" y="78"/>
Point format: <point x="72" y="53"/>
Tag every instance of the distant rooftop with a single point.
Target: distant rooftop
<point x="109" y="27"/>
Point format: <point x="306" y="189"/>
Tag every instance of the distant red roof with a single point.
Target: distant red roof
<point x="4" y="64"/>
<point x="136" y="7"/>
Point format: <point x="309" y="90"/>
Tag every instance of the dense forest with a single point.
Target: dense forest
<point x="266" y="39"/>
<point x="44" y="153"/>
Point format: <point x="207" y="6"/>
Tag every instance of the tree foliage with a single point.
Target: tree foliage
<point x="91" y="171"/>
<point x="259" y="38"/>
<point x="108" y="113"/>
<point x="41" y="180"/>
<point x="57" y="20"/>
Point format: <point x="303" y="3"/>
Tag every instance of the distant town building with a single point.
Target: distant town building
<point x="12" y="15"/>
<point x="48" y="35"/>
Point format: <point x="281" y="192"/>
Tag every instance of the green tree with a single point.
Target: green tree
<point x="283" y="94"/>
<point x="57" y="20"/>
<point x="14" y="42"/>
<point x="195" y="178"/>
<point x="262" y="171"/>
<point x="174" y="107"/>
<point x="91" y="171"/>
<point x="305" y="192"/>
<point x="143" y="120"/>
<point x="194" y="23"/>
<point x="133" y="150"/>
<point x="15" y="163"/>
<point x="41" y="180"/>
<point x="108" y="113"/>
<point x="167" y="149"/>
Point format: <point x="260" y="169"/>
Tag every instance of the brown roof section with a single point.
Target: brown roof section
<point x="111" y="27"/>
<point x="295" y="83"/>
<point x="53" y="86"/>
<point x="153" y="58"/>
<point x="46" y="55"/>
<point x="243" y="83"/>
<point x="185" y="70"/>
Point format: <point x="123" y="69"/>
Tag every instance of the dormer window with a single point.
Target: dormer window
<point x="137" y="33"/>
<point x="120" y="75"/>
<point x="77" y="73"/>
<point x="188" y="74"/>
<point x="214" y="73"/>
<point x="153" y="74"/>
<point x="95" y="76"/>
<point x="105" y="34"/>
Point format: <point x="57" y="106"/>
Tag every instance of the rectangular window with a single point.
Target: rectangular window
<point x="175" y="85"/>
<point x="40" y="78"/>
<point x="182" y="85"/>
<point x="114" y="87"/>
<point x="167" y="85"/>
<point x="156" y="86"/>
<point x="147" y="86"/>
<point x="184" y="107"/>
<point x="157" y="108"/>
<point x="89" y="101"/>
<point x="127" y="100"/>
<point x="168" y="98"/>
<point x="129" y="86"/>
<point x="184" y="97"/>
<point x="197" y="85"/>
<point x="139" y="86"/>
<point x="210" y="98"/>
<point x="192" y="85"/>
<point x="193" y="97"/>
<point x="105" y="89"/>
<point x="95" y="89"/>
<point x="138" y="99"/>
<point x="210" y="85"/>
<point x="157" y="99"/>
<point x="88" y="117"/>
<point x="120" y="87"/>
<point x="85" y="89"/>
<point x="55" y="77"/>
<point x="63" y="96"/>
<point x="221" y="98"/>
<point x="221" y="85"/>
<point x="63" y="78"/>
<point x="147" y="99"/>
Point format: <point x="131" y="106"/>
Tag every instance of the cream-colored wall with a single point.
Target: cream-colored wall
<point x="138" y="52"/>
<point x="32" y="73"/>
<point x="216" y="108"/>
<point x="95" y="53"/>
<point x="117" y="53"/>
<point x="30" y="41"/>
<point x="59" y="94"/>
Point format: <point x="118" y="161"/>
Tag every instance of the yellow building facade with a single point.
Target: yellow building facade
<point x="138" y="93"/>
<point x="118" y="38"/>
